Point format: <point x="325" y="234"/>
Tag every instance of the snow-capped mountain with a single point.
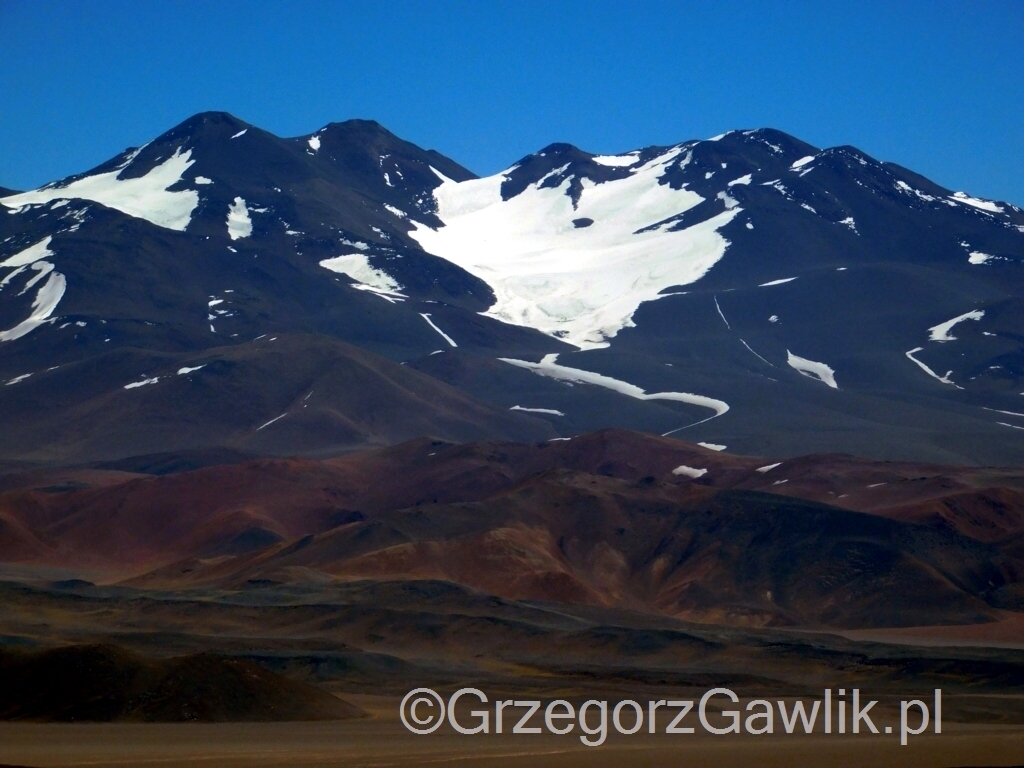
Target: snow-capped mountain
<point x="749" y="291"/>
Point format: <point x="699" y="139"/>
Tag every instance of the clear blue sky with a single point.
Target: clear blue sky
<point x="935" y="85"/>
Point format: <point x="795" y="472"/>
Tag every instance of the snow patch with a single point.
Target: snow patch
<point x="941" y="332"/>
<point x="713" y="446"/>
<point x="528" y="410"/>
<point x="904" y="187"/>
<point x="768" y="468"/>
<point x="550" y="368"/>
<point x="984" y="205"/>
<point x="202" y="180"/>
<point x="444" y="335"/>
<point x="11" y="276"/>
<point x="43" y="268"/>
<point x="30" y="255"/>
<point x="750" y="349"/>
<point x="143" y="383"/>
<point x="741" y="180"/>
<point x="686" y="471"/>
<point x="977" y="257"/>
<point x="811" y="369"/>
<point x="46" y="301"/>
<point x="721" y="314"/>
<point x="994" y="410"/>
<point x="239" y="223"/>
<point x="617" y="161"/>
<point x="314" y="143"/>
<point x="240" y="133"/>
<point x="271" y="422"/>
<point x="186" y="371"/>
<point x="801" y="163"/>
<point x="730" y="202"/>
<point x="944" y="379"/>
<point x="367" y="278"/>
<point x="146" y="197"/>
<point x="777" y="282"/>
<point x="16" y="379"/>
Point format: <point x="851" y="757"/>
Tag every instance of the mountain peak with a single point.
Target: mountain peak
<point x="357" y="124"/>
<point x="206" y="125"/>
<point x="779" y="143"/>
<point x="366" y="146"/>
<point x="560" y="148"/>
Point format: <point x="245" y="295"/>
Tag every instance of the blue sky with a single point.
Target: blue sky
<point x="935" y="85"/>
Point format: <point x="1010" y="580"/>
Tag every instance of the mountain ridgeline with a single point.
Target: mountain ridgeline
<point x="224" y="289"/>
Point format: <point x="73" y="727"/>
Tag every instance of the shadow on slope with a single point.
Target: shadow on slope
<point x="103" y="683"/>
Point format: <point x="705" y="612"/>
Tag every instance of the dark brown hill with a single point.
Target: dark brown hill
<point x="103" y="683"/>
<point x="278" y="395"/>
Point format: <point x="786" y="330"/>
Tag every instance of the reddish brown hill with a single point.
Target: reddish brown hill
<point x="989" y="514"/>
<point x="684" y="550"/>
<point x="158" y="518"/>
<point x="609" y="518"/>
<point x="148" y="519"/>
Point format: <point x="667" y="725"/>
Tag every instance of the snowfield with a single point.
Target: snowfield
<point x="578" y="284"/>
<point x="146" y="197"/>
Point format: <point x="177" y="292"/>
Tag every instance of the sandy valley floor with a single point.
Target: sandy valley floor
<point x="382" y="741"/>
